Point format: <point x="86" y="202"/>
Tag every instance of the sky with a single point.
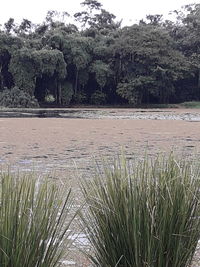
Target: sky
<point x="130" y="11"/>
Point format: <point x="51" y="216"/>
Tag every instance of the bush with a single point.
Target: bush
<point x="50" y="98"/>
<point x="33" y="222"/>
<point x="80" y="98"/>
<point x="67" y="93"/>
<point x="98" y="98"/>
<point x="16" y="98"/>
<point x="147" y="216"/>
<point x="191" y="104"/>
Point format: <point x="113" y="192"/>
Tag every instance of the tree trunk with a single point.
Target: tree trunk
<point x="58" y="93"/>
<point x="76" y="83"/>
<point x="1" y="79"/>
<point x="197" y="90"/>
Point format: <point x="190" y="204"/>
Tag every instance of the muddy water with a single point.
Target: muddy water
<point x="47" y="144"/>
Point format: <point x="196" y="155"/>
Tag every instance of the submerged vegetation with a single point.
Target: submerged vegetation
<point x="145" y="213"/>
<point x="100" y="62"/>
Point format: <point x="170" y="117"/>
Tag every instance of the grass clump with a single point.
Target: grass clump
<point x="33" y="222"/>
<point x="191" y="104"/>
<point x="158" y="106"/>
<point x="144" y="214"/>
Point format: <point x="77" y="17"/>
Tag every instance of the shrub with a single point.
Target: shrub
<point x="16" y="98"/>
<point x="67" y="93"/>
<point x="144" y="215"/>
<point x="80" y="98"/>
<point x="33" y="222"/>
<point x="98" y="98"/>
<point x="50" y="98"/>
<point x="191" y="104"/>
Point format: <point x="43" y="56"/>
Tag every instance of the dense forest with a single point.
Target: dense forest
<point x="99" y="61"/>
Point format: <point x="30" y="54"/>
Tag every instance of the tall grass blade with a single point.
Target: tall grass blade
<point x="33" y="221"/>
<point x="144" y="214"/>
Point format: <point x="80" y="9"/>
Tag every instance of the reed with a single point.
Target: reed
<point x="34" y="221"/>
<point x="145" y="213"/>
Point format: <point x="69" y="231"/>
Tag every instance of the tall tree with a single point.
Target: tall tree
<point x="148" y="64"/>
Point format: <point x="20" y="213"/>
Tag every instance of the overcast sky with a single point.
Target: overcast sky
<point x="128" y="10"/>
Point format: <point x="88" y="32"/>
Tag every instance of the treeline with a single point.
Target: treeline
<point x="101" y="62"/>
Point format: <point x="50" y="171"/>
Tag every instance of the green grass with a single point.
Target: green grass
<point x="158" y="106"/>
<point x="33" y="221"/>
<point x="191" y="104"/>
<point x="143" y="214"/>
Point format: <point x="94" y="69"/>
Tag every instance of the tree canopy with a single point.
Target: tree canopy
<point x="99" y="61"/>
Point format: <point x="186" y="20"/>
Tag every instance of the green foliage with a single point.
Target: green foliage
<point x="28" y="64"/>
<point x="76" y="51"/>
<point x="49" y="98"/>
<point x="49" y="62"/>
<point x="148" y="63"/>
<point x="98" y="98"/>
<point x="145" y="214"/>
<point x="10" y="43"/>
<point x="67" y="93"/>
<point x="16" y="98"/>
<point x="9" y="25"/>
<point x="102" y="72"/>
<point x="159" y="106"/>
<point x="154" y="61"/>
<point x="134" y="90"/>
<point x="34" y="221"/>
<point x="80" y="98"/>
<point x="23" y="70"/>
<point x="191" y="104"/>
